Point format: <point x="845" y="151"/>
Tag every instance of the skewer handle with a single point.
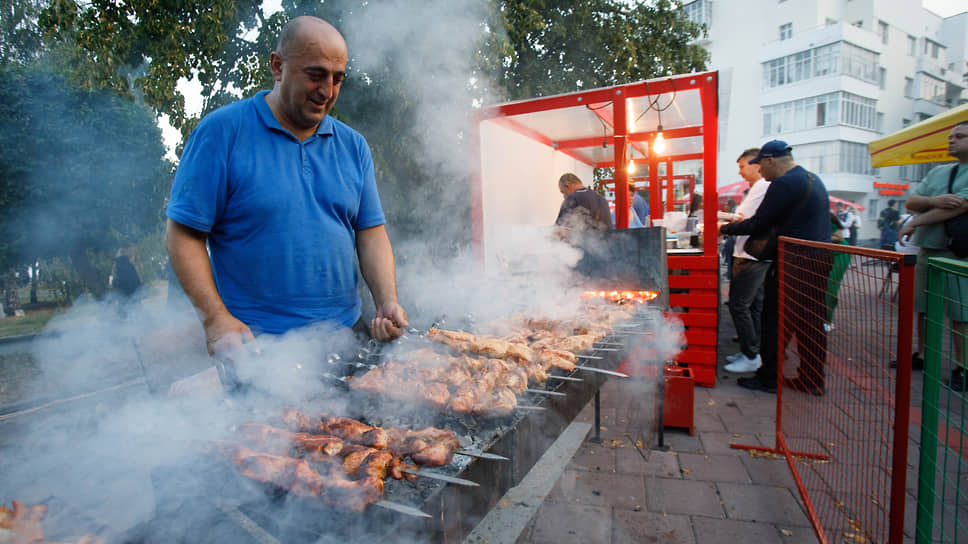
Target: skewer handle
<point x="602" y="371"/>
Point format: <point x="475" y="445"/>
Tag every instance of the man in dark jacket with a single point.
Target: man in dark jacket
<point x="796" y="205"/>
<point x="583" y="209"/>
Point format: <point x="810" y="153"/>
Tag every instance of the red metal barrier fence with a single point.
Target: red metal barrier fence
<point x="850" y="310"/>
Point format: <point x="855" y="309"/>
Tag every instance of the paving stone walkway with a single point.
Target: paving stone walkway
<point x="695" y="490"/>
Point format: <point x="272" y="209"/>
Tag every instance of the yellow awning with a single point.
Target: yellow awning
<point x="926" y="141"/>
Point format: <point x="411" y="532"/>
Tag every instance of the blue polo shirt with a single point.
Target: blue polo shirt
<point x="281" y="215"/>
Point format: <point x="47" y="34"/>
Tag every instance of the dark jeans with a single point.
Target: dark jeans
<point x="746" y="302"/>
<point x="806" y="273"/>
<point x="728" y="246"/>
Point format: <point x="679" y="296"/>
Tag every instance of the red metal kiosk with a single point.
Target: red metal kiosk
<point x="525" y="145"/>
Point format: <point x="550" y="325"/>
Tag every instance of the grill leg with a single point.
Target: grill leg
<point x="598" y="418"/>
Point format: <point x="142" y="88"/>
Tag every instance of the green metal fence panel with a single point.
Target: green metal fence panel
<point x="942" y="512"/>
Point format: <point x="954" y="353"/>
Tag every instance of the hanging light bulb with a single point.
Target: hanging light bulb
<point x="631" y="167"/>
<point x="659" y="144"/>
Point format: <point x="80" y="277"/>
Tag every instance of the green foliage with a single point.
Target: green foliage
<point x="564" y="46"/>
<point x="81" y="173"/>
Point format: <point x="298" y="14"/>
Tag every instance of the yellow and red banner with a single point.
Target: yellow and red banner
<point x="926" y="141"/>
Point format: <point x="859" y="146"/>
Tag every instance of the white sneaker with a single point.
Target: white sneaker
<point x="744" y="364"/>
<point x="735" y="357"/>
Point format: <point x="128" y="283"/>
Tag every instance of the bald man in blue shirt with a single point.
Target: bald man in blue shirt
<point x="274" y="201"/>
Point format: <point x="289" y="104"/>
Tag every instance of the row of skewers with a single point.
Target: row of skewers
<point x="485" y="375"/>
<point x="339" y="461"/>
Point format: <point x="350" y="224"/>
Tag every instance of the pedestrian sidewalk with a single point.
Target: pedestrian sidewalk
<point x="697" y="490"/>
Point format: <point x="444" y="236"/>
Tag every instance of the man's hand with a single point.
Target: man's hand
<point x="906" y="231"/>
<point x="390" y="322"/>
<point x="225" y="336"/>
<point x="947" y="202"/>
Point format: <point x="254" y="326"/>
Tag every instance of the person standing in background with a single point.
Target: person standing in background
<point x="582" y="208"/>
<point x="934" y="203"/>
<point x="795" y="205"/>
<point x="888" y="224"/>
<point x="640" y="205"/>
<point x="749" y="274"/>
<point x="853" y="225"/>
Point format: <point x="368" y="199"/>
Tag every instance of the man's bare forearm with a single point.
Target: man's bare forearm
<point x="377" y="265"/>
<point x="190" y="261"/>
<point x="938" y="215"/>
<point x="918" y="203"/>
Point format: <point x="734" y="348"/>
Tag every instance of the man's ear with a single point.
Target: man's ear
<point x="275" y="65"/>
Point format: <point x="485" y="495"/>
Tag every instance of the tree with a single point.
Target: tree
<point x="564" y="46"/>
<point x="81" y="173"/>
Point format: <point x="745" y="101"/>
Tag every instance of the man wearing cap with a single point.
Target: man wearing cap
<point x="796" y="205"/>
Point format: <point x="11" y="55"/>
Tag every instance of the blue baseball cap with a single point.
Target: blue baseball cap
<point x="773" y="148"/>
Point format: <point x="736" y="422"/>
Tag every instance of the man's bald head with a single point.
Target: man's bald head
<point x="301" y="29"/>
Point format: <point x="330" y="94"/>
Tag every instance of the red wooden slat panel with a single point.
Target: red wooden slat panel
<point x="698" y="355"/>
<point x="699" y="318"/>
<point x="702" y="299"/>
<point x="678" y="262"/>
<point x="705" y="375"/>
<point x="693" y="281"/>
<point x="700" y="336"/>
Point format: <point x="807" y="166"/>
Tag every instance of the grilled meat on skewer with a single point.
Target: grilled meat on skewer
<point x="429" y="446"/>
<point x="279" y="441"/>
<point x="298" y="478"/>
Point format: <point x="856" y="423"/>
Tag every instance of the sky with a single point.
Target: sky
<point x="945" y="8"/>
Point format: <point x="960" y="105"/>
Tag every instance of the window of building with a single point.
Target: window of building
<point x="699" y="11"/>
<point x="872" y="213"/>
<point x="820" y="111"/>
<point x="786" y="31"/>
<point x="932" y="89"/>
<point x="837" y="57"/>
<point x="882" y="31"/>
<point x="883" y="77"/>
<point x="859" y="23"/>
<point x="912" y="45"/>
<point x="908" y="87"/>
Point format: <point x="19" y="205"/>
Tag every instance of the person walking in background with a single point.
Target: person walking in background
<point x="796" y="205"/>
<point x="841" y="262"/>
<point x="887" y="222"/>
<point x="749" y="274"/>
<point x="934" y="204"/>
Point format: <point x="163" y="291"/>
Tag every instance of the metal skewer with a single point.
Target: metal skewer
<point x="482" y="455"/>
<point x="566" y="378"/>
<point x="437" y="476"/>
<point x="530" y="408"/>
<point x="602" y="371"/>
<point x="545" y="392"/>
<point x="588" y="357"/>
<point x="402" y="508"/>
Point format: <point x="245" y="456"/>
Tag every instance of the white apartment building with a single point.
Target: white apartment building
<point x="829" y="76"/>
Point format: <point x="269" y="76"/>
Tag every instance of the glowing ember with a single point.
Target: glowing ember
<point x="622" y="297"/>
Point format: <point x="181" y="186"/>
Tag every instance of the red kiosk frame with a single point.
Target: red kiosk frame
<point x="523" y="146"/>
